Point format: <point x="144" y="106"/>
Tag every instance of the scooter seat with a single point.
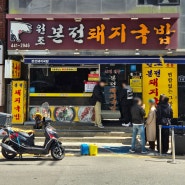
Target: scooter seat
<point x="29" y="132"/>
<point x="25" y="134"/>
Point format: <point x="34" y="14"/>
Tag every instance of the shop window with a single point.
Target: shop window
<point x="159" y="2"/>
<point x="54" y="80"/>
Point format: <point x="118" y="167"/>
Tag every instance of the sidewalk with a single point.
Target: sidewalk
<point x="108" y="149"/>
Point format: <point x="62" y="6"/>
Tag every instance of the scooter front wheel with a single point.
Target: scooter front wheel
<point x="58" y="152"/>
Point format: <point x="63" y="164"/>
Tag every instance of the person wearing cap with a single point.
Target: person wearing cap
<point x="151" y="125"/>
<point x="98" y="98"/>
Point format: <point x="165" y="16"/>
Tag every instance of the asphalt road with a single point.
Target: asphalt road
<point x="109" y="170"/>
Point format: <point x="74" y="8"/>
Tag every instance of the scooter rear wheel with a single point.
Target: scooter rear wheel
<point x="57" y="152"/>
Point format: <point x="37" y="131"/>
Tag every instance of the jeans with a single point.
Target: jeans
<point x="138" y="129"/>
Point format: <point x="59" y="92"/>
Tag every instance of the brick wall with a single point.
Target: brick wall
<point x="2" y="19"/>
<point x="3" y="9"/>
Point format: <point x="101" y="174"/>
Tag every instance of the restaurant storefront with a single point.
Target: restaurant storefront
<point x="66" y="57"/>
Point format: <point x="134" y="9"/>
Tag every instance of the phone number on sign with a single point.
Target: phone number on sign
<point x="21" y="45"/>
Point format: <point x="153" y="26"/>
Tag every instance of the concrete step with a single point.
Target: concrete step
<point x="81" y="130"/>
<point x="124" y="140"/>
<point x="71" y="146"/>
<point x="79" y="126"/>
<point x="66" y="133"/>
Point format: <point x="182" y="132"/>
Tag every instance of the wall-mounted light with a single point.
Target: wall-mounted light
<point x="106" y="18"/>
<point x="166" y="18"/>
<point x="18" y="19"/>
<point x="17" y="52"/>
<point x="137" y="52"/>
<point x="47" y="51"/>
<point x="76" y="52"/>
<point x="49" y="19"/>
<point x="78" y="19"/>
<point x="169" y="51"/>
<point x="106" y="52"/>
<point x="134" y="18"/>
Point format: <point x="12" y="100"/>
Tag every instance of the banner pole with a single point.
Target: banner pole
<point x="173" y="146"/>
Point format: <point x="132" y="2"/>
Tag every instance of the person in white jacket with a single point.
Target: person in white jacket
<point x="151" y="125"/>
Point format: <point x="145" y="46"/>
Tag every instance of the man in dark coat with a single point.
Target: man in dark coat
<point x="164" y="116"/>
<point x="125" y="98"/>
<point x="98" y="98"/>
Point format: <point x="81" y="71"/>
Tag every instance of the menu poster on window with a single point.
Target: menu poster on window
<point x="89" y="86"/>
<point x="113" y="74"/>
<point x="136" y="84"/>
<point x="110" y="98"/>
<point x="93" y="77"/>
<point x="19" y="101"/>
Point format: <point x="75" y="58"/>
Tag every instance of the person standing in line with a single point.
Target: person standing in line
<point x="164" y="116"/>
<point x="161" y="98"/>
<point x="97" y="99"/>
<point x="151" y="125"/>
<point x="161" y="101"/>
<point x="138" y="114"/>
<point x="125" y="98"/>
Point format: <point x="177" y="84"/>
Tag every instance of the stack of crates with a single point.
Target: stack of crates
<point x="89" y="149"/>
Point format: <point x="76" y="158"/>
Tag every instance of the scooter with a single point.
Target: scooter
<point x="17" y="143"/>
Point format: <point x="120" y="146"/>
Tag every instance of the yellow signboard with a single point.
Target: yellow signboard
<point x="136" y="85"/>
<point x="16" y="69"/>
<point x="60" y="94"/>
<point x="19" y="101"/>
<point x="96" y="79"/>
<point x="160" y="79"/>
<point x="63" y="69"/>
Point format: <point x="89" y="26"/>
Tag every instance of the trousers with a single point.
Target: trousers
<point x="98" y="113"/>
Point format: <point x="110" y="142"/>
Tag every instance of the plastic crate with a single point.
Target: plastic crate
<point x="84" y="149"/>
<point x="5" y="119"/>
<point x="93" y="149"/>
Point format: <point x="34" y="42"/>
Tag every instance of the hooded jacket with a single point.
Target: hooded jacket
<point x="164" y="110"/>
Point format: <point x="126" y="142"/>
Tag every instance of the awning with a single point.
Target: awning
<point x="174" y="60"/>
<point x="90" y="60"/>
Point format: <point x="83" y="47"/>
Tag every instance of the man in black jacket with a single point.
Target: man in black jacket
<point x="98" y="98"/>
<point x="125" y="98"/>
<point x="138" y="113"/>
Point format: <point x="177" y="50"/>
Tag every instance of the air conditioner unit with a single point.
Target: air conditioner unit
<point x="168" y="2"/>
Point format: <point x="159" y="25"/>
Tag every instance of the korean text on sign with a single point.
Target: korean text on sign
<point x="160" y="78"/>
<point x="18" y="101"/>
<point x="93" y="34"/>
